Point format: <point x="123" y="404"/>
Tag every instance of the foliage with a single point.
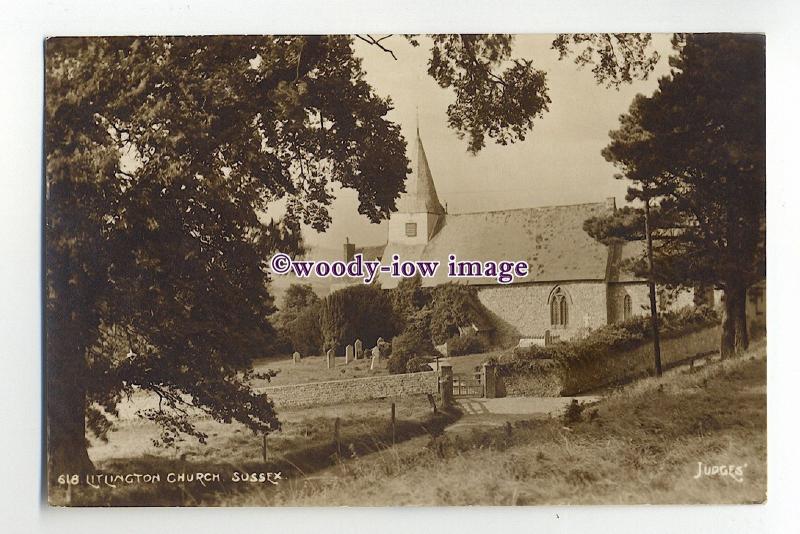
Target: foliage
<point x="408" y="298"/>
<point x="164" y="157"/>
<point x="485" y="99"/>
<point x="469" y="343"/>
<point x="618" y="337"/>
<point x="418" y="364"/>
<point x="297" y="298"/>
<point x="696" y="150"/>
<point x="157" y="182"/>
<point x="618" y="58"/>
<point x="414" y="341"/>
<point x="356" y="312"/>
<point x="574" y="413"/>
<point x="297" y="321"/>
<point x="454" y="305"/>
<point x="303" y="331"/>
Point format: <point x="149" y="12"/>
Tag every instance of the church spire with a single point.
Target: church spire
<point x="420" y="195"/>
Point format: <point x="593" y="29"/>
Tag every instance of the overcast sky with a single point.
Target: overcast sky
<point x="558" y="163"/>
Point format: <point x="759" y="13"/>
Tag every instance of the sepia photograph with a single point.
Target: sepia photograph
<point x="413" y="270"/>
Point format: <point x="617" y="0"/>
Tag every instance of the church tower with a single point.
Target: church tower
<point x="419" y="213"/>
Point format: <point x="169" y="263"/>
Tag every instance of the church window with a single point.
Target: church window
<point x="627" y="309"/>
<point x="411" y="229"/>
<point x="559" y="308"/>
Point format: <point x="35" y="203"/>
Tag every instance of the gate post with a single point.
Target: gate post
<point x="489" y="380"/>
<point x="446" y="384"/>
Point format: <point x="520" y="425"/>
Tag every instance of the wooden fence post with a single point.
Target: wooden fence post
<point x="392" y="424"/>
<point x="336" y="436"/>
<point x="446" y="385"/>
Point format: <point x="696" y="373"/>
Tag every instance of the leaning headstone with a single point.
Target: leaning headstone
<point x="359" y="349"/>
<point x="375" y="359"/>
<point x="296" y="357"/>
<point x="329" y="359"/>
<point x="348" y="354"/>
<point x="376" y="352"/>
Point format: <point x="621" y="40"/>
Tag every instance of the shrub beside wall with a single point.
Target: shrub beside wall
<point x="611" y="354"/>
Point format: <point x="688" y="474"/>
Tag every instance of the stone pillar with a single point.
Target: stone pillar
<point x="295" y="357"/>
<point x="359" y="349"/>
<point x="446" y="384"/>
<point x="330" y="359"/>
<point x="348" y="354"/>
<point x="489" y="380"/>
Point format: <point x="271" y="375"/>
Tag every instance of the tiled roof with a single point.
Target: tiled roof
<point x="550" y="239"/>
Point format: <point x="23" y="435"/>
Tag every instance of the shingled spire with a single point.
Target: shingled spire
<point x="420" y="195"/>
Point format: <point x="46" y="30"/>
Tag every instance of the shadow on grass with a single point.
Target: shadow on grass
<point x="356" y="438"/>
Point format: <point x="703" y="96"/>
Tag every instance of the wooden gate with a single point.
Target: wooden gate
<point x="467" y="385"/>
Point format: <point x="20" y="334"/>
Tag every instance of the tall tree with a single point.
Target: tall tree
<point x="696" y="148"/>
<point x="165" y="159"/>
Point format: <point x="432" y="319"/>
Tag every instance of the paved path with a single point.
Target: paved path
<point x="519" y="405"/>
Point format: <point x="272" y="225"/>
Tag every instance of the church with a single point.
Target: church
<point x="574" y="283"/>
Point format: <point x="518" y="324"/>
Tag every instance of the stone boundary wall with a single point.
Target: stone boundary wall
<point x="549" y="379"/>
<point x="352" y="390"/>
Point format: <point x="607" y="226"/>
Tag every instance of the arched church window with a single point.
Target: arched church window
<point x="559" y="308"/>
<point x="627" y="309"/>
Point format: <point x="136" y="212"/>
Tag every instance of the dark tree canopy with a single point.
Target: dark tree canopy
<point x="696" y="150"/>
<point x="165" y="160"/>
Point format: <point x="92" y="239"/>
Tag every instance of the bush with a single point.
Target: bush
<point x="303" y="332"/>
<point x="408" y="298"/>
<point x="418" y="364"/>
<point x="534" y="352"/>
<point x="623" y="336"/>
<point x="414" y="342"/>
<point x="470" y="343"/>
<point x="297" y="322"/>
<point x="356" y="312"/>
<point x="454" y="305"/>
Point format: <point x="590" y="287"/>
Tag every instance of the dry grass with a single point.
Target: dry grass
<point x="641" y="445"/>
<point x="304" y="446"/>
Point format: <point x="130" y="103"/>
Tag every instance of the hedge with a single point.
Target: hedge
<point x="605" y="355"/>
<point x="621" y="336"/>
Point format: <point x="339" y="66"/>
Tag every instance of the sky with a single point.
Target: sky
<point x="558" y="163"/>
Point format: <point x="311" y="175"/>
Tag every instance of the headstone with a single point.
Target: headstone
<point x="375" y="359"/>
<point x="359" y="349"/>
<point x="296" y="357"/>
<point x="329" y="359"/>
<point x="376" y="352"/>
<point x="348" y="354"/>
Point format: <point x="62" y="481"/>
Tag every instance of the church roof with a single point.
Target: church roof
<point x="420" y="195"/>
<point x="551" y="239"/>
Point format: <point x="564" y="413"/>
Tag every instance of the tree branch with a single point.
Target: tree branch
<point x="377" y="42"/>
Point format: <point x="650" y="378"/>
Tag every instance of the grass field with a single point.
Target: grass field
<point x="641" y="444"/>
<point x="306" y="444"/>
<point x="313" y="369"/>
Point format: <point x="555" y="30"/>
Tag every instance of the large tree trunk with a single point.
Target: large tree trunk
<point x="65" y="396"/>
<point x="734" y="338"/>
<point x="66" y="436"/>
